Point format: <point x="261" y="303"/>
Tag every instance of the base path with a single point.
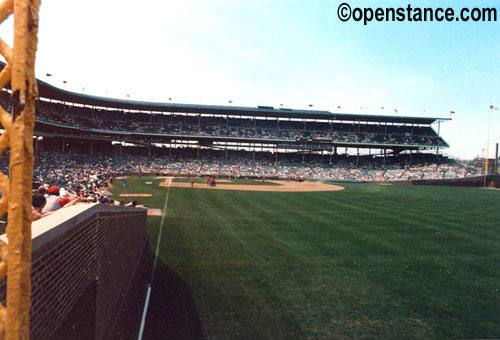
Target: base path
<point x="283" y="186"/>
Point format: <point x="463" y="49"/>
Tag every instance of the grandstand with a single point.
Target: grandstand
<point x="97" y="122"/>
<point x="68" y="121"/>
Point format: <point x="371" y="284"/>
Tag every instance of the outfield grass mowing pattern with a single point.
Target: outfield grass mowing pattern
<point x="369" y="261"/>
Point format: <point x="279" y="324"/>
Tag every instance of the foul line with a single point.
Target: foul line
<point x="143" y="320"/>
<point x="159" y="236"/>
<point x="146" y="302"/>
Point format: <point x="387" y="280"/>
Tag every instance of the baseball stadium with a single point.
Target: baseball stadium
<point x="127" y="219"/>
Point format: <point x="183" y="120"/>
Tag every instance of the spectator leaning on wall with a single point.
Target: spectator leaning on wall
<point x="38" y="203"/>
<point x="52" y="200"/>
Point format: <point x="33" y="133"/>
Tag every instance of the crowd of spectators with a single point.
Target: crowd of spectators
<point x="259" y="129"/>
<point x="61" y="180"/>
<point x="89" y="175"/>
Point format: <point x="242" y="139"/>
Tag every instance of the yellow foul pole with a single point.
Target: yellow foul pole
<point x="487" y="149"/>
<point x="16" y="188"/>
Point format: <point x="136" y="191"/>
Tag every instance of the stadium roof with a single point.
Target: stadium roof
<point x="51" y="92"/>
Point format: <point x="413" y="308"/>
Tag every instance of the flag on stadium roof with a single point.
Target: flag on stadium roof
<point x="396" y="110"/>
<point x="65" y="82"/>
<point x="338" y="107"/>
<point x="493" y="107"/>
<point x="49" y="75"/>
<point x="310" y="105"/>
<point x="230" y="102"/>
<point x="452" y="112"/>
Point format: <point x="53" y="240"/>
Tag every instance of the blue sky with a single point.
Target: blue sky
<point x="294" y="53"/>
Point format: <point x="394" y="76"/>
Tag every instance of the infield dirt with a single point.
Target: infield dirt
<point x="283" y="186"/>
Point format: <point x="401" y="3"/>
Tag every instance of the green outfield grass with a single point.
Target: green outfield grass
<point x="370" y="261"/>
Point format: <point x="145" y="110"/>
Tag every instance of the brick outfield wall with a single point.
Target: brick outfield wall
<point x="75" y="248"/>
<point x="478" y="181"/>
